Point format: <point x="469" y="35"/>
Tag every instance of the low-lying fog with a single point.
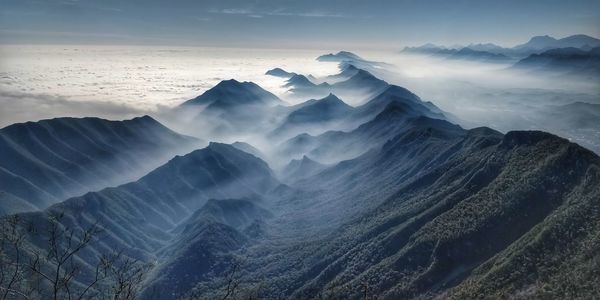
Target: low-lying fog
<point x="39" y="82"/>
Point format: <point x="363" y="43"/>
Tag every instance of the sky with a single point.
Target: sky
<point x="310" y="24"/>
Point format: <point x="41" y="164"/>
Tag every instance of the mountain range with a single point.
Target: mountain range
<point x="536" y="45"/>
<point x="388" y="199"/>
<point x="563" y="62"/>
<point x="44" y="162"/>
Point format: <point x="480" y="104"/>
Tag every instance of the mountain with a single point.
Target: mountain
<point x="563" y="61"/>
<point x="394" y="93"/>
<point x="340" y="57"/>
<point x="313" y="113"/>
<point x="477" y="55"/>
<point x="322" y="110"/>
<point x="345" y="58"/>
<point x="231" y="93"/>
<point x="278" y="72"/>
<point x="431" y="235"/>
<point x="248" y="149"/>
<point x="421" y="211"/>
<point x="301" y="87"/>
<point x="492" y="53"/>
<point x="44" y="162"/>
<point x="535" y="45"/>
<point x="300" y="169"/>
<point x="144" y="217"/>
<point x="299" y="81"/>
<point x="403" y="204"/>
<point x="230" y="107"/>
<point x="334" y="146"/>
<point x="430" y="49"/>
<point x="203" y="241"/>
<point x="487" y="47"/>
<point x="355" y="82"/>
<point x="539" y="44"/>
<point x="346" y="72"/>
<point x="379" y="119"/>
<point x="362" y="81"/>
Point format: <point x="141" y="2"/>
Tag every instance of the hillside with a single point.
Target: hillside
<point x="44" y="162"/>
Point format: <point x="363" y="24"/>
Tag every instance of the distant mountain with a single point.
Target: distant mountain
<point x="326" y="109"/>
<point x="494" y="52"/>
<point x="430" y="49"/>
<point x="487" y="47"/>
<point x="340" y="57"/>
<point x="538" y="43"/>
<point x="394" y="93"/>
<point x="229" y="107"/>
<point x="313" y="113"/>
<point x="351" y="81"/>
<point x="378" y="118"/>
<point x="334" y="146"/>
<point x="44" y="162"/>
<point x="465" y="53"/>
<point x="299" y="81"/>
<point x="563" y="61"/>
<point x="477" y="55"/>
<point x="541" y="43"/>
<point x="301" y="87"/>
<point x="231" y="93"/>
<point x="345" y="58"/>
<point x="346" y="72"/>
<point x="278" y="72"/>
<point x="362" y="81"/>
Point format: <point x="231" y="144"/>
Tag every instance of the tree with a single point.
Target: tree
<point x="53" y="269"/>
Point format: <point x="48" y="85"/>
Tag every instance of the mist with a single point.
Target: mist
<point x="120" y="82"/>
<point x="497" y="96"/>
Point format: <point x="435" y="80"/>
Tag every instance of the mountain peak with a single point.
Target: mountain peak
<point x="340" y="56"/>
<point x="279" y="72"/>
<point x="542" y="38"/>
<point x="299" y="79"/>
<point x="331" y="97"/>
<point x="398" y="91"/>
<point x="232" y="92"/>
